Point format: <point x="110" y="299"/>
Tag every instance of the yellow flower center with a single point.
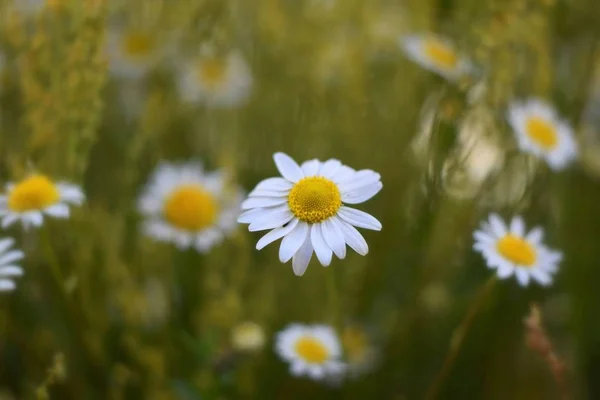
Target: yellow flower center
<point x="138" y="45"/>
<point x="516" y="250"/>
<point x="190" y="207"/>
<point x="542" y="133"/>
<point x="440" y="53"/>
<point x="314" y="199"/>
<point x="211" y="71"/>
<point x="312" y="350"/>
<point x="33" y="193"/>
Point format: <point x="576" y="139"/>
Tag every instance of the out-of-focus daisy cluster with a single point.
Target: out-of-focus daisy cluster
<point x="278" y="199"/>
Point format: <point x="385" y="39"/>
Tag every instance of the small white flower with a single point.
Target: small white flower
<point x="306" y="208"/>
<point x="28" y="200"/>
<point x="314" y="351"/>
<point x="437" y="54"/>
<point x="216" y="80"/>
<point x="247" y="337"/>
<point x="132" y="53"/>
<point x="510" y="250"/>
<point x="188" y="207"/>
<point x="540" y="131"/>
<point x="8" y="269"/>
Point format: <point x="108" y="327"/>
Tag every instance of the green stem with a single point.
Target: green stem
<point x="458" y="337"/>
<point x="334" y="300"/>
<point x="53" y="261"/>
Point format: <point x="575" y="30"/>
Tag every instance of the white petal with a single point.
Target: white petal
<point x="505" y="270"/>
<point x="343" y="174"/>
<point x="359" y="218"/>
<point x="297" y="368"/>
<point x="275" y="234"/>
<point x="269" y="193"/>
<point x="274" y="184"/>
<point x="6" y="285"/>
<point x="58" y="210"/>
<point x="334" y="238"/>
<point x="11" y="270"/>
<point x="352" y="237"/>
<point x="258" y="202"/>
<point x="5" y="244"/>
<point x="329" y="168"/>
<point x="250" y="215"/>
<point x="517" y="227"/>
<point x="311" y="167"/>
<point x="35" y="218"/>
<point x="542" y="277"/>
<point x="363" y="194"/>
<point x="483" y="237"/>
<point x="11" y="256"/>
<point x="9" y="220"/>
<point x="323" y="252"/>
<point x="360" y="179"/>
<point x="71" y="193"/>
<point x="292" y="242"/>
<point x="302" y="257"/>
<point x="497" y="226"/>
<point x="535" y="236"/>
<point x="522" y="276"/>
<point x="288" y="167"/>
<point x="270" y="218"/>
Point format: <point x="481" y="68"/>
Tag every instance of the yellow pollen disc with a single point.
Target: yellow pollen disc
<point x="138" y="45"/>
<point x="440" y="53"/>
<point x="211" y="71"/>
<point x="516" y="250"/>
<point x="34" y="193"/>
<point x="312" y="350"/>
<point x="314" y="199"/>
<point x="542" y="133"/>
<point x="190" y="207"/>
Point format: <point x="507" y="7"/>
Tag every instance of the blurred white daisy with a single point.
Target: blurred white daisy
<point x="437" y="54"/>
<point x="188" y="207"/>
<point x="540" y="131"/>
<point x="510" y="250"/>
<point x="314" y="351"/>
<point x="132" y="53"/>
<point x="216" y="80"/>
<point x="247" y="337"/>
<point x="29" y="199"/>
<point x="306" y="208"/>
<point x="8" y="269"/>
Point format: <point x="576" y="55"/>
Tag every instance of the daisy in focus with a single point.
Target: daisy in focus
<point x="132" y="53"/>
<point x="513" y="251"/>
<point x="306" y="208"/>
<point x="189" y="207"/>
<point x="540" y="131"/>
<point x="314" y="351"/>
<point x="8" y="269"/>
<point x="437" y="54"/>
<point x="216" y="80"/>
<point x="29" y="199"/>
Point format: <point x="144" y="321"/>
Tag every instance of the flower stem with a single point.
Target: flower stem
<point x="458" y="337"/>
<point x="334" y="300"/>
<point x="53" y="261"/>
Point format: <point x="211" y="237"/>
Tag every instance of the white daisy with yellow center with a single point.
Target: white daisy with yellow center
<point x="8" y="269"/>
<point x="132" y="53"/>
<point x="437" y="54"/>
<point x="28" y="200"/>
<point x="540" y="131"/>
<point x="314" y="351"/>
<point x="188" y="207"/>
<point x="216" y="80"/>
<point x="306" y="208"/>
<point x="512" y="251"/>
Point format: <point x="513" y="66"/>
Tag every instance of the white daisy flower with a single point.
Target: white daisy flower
<point x="216" y="80"/>
<point x="188" y="207"/>
<point x="28" y="200"/>
<point x="314" y="351"/>
<point x="437" y="54"/>
<point x="132" y="53"/>
<point x="511" y="250"/>
<point x="8" y="269"/>
<point x="540" y="131"/>
<point x="306" y="208"/>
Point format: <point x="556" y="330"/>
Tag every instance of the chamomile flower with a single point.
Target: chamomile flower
<point x="314" y="351"/>
<point x="437" y="54"/>
<point x="29" y="199"/>
<point x="216" y="80"/>
<point x="8" y="269"/>
<point x="512" y="251"/>
<point x="132" y="53"/>
<point x="189" y="207"/>
<point x="540" y="131"/>
<point x="306" y="208"/>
